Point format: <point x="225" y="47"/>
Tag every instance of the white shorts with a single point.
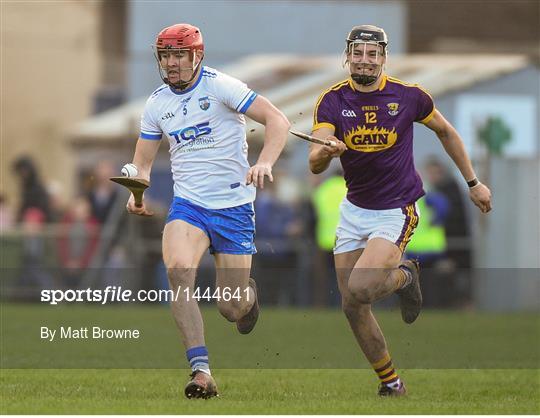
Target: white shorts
<point x="358" y="225"/>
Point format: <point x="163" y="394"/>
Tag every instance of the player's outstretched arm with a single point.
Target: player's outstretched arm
<point x="275" y="136"/>
<point x="453" y="144"/>
<point x="321" y="155"/>
<point x="145" y="153"/>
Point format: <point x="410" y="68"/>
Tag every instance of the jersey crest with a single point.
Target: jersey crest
<point x="204" y="103"/>
<point x="393" y="108"/>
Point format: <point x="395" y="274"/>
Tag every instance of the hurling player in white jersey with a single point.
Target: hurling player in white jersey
<point x="200" y="112"/>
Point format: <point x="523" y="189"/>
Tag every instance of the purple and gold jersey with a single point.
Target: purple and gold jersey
<point x="377" y="128"/>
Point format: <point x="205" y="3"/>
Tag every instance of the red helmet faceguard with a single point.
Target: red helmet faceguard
<point x="181" y="36"/>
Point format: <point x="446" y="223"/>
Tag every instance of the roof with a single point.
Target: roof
<point x="293" y="84"/>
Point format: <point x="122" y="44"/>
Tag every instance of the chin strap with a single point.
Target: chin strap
<point x="364" y="80"/>
<point x="182" y="85"/>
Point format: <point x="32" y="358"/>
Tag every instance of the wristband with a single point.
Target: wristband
<point x="473" y="182"/>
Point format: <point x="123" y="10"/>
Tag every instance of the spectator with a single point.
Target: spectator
<point x="456" y="227"/>
<point x="33" y="193"/>
<point x="277" y="230"/>
<point x="429" y="240"/>
<point x="78" y="239"/>
<point x="103" y="193"/>
<point x="428" y="245"/>
<point x="455" y="224"/>
<point x="326" y="200"/>
<point x="34" y="273"/>
<point x="57" y="203"/>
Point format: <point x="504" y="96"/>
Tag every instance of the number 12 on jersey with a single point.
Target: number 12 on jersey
<point x="371" y="117"/>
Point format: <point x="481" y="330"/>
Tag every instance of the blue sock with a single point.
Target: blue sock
<point x="198" y="359"/>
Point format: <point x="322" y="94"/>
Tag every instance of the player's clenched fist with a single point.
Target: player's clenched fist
<point x="481" y="197"/>
<point x="257" y="173"/>
<point x="137" y="210"/>
<point x="335" y="150"/>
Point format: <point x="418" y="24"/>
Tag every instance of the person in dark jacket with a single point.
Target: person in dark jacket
<point x="33" y="192"/>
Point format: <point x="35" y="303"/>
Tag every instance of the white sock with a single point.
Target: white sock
<point x="408" y="276"/>
<point x="205" y="370"/>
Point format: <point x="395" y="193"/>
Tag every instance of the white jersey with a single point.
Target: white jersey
<point x="205" y="127"/>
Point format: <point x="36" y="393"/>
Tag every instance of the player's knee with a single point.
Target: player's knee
<point x="232" y="311"/>
<point x="180" y="273"/>
<point x="353" y="310"/>
<point x="362" y="291"/>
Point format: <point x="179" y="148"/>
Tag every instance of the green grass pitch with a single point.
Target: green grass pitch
<point x="280" y="391"/>
<point x="295" y="362"/>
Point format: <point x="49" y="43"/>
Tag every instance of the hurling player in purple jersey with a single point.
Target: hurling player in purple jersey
<point x="370" y="117"/>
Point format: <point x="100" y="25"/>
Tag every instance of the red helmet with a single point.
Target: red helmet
<point x="181" y="35"/>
